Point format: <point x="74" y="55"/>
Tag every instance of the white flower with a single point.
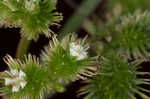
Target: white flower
<point x="16" y="79"/>
<point x="78" y="51"/>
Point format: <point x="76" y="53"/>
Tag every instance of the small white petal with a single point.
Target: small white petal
<point x="22" y="74"/>
<point x="73" y="52"/>
<point x="78" y="50"/>
<point x="14" y="72"/>
<point x="15" y="88"/>
<point x="8" y="81"/>
<point x="22" y="84"/>
<point x="80" y="57"/>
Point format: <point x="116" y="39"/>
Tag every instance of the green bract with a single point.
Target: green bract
<point x="116" y="79"/>
<point x="36" y="79"/>
<point x="134" y="34"/>
<point x="34" y="16"/>
<point x="62" y="66"/>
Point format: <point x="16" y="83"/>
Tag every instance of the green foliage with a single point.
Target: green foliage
<point x="34" y="16"/>
<point x="35" y="76"/>
<point x="129" y="5"/>
<point x="62" y="66"/>
<point x="4" y="10"/>
<point x="76" y="20"/>
<point x="134" y="34"/>
<point x="128" y="35"/>
<point x="116" y="79"/>
<point x="118" y="41"/>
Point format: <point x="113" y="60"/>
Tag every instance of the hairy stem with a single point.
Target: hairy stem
<point x="22" y="48"/>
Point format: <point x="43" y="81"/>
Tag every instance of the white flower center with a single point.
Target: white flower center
<point x="16" y="79"/>
<point x="78" y="51"/>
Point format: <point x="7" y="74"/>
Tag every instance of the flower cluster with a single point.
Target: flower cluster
<point x="25" y="79"/>
<point x="15" y="78"/>
<point x="33" y="16"/>
<point x="66" y="60"/>
<point x="116" y="79"/>
<point x="61" y="63"/>
<point x="134" y="34"/>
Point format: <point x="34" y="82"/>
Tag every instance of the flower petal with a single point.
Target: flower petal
<point x="21" y="74"/>
<point x="8" y="81"/>
<point x="23" y="84"/>
<point x="14" y="72"/>
<point x="15" y="88"/>
<point x="78" y="50"/>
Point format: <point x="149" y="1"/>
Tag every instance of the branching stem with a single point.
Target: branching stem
<point x="23" y="47"/>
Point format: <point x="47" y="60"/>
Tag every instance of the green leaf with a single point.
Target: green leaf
<point x="76" y="20"/>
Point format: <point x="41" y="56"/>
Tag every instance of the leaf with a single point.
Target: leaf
<point x="76" y="20"/>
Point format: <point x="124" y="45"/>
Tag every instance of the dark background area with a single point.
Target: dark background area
<point x="9" y="39"/>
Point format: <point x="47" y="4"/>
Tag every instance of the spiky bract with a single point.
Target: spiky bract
<point x="62" y="66"/>
<point x="35" y="76"/>
<point x="34" y="16"/>
<point x="116" y="79"/>
<point x="134" y="33"/>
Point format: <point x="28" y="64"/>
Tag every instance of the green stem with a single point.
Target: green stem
<point x="22" y="48"/>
